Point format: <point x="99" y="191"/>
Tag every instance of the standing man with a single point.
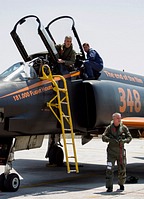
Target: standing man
<point x="116" y="134"/>
<point x="67" y="55"/>
<point x="94" y="63"/>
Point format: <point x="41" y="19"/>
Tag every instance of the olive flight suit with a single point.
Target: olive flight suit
<point x="68" y="55"/>
<point x="116" y="136"/>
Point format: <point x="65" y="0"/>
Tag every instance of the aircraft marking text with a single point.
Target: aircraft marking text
<point x="30" y="93"/>
<point x="123" y="77"/>
<point x="129" y="98"/>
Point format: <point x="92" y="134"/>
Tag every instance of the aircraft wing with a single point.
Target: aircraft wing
<point x="133" y="121"/>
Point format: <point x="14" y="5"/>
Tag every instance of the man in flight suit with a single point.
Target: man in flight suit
<point x="67" y="55"/>
<point x="93" y="64"/>
<point x="116" y="134"/>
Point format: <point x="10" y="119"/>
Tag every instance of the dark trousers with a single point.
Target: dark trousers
<point x="121" y="163"/>
<point x="91" y="68"/>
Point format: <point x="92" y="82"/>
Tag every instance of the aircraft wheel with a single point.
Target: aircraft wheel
<point x="12" y="182"/>
<point x="2" y="179"/>
<point x="56" y="156"/>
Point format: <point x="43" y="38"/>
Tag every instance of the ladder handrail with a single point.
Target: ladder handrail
<point x="62" y="117"/>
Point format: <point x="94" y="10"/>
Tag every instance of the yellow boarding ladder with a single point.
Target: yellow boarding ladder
<point x="61" y="102"/>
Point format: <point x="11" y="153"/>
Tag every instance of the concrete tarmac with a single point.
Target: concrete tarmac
<point x="40" y="181"/>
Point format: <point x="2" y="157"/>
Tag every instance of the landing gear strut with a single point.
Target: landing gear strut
<point x="8" y="181"/>
<point x="55" y="152"/>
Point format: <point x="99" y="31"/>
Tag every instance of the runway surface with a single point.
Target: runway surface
<point x="40" y="181"/>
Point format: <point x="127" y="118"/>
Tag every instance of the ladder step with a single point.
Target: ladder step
<point x="66" y="116"/>
<point x="62" y="89"/>
<point x="73" y="171"/>
<point x="71" y="156"/>
<point x="64" y="103"/>
<point x="67" y="129"/>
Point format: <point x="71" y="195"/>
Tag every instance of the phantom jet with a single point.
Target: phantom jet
<point x="30" y="107"/>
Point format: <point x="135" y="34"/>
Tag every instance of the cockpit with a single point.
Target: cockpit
<point x="20" y="71"/>
<point x="33" y="39"/>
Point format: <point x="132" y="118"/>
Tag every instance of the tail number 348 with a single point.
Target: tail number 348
<point x="129" y="99"/>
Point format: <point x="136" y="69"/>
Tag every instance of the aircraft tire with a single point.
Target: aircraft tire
<point x="2" y="179"/>
<point x="12" y="182"/>
<point x="56" y="156"/>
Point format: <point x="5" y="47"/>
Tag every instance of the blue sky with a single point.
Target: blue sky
<point x="115" y="28"/>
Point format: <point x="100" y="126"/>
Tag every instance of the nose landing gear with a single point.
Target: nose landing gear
<point x="8" y="181"/>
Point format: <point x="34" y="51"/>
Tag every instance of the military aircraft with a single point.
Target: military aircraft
<point x="27" y="88"/>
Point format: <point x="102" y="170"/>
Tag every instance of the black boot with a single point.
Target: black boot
<point x="122" y="187"/>
<point x="109" y="189"/>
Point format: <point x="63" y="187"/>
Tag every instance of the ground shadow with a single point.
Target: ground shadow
<point x="52" y="179"/>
